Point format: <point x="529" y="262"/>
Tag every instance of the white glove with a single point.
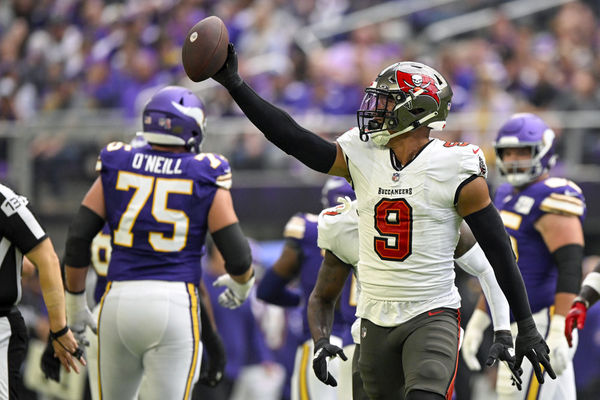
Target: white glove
<point x="473" y="337"/>
<point x="236" y="293"/>
<point x="79" y="316"/>
<point x="556" y="341"/>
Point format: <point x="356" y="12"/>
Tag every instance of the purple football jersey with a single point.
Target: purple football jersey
<point x="520" y="210"/>
<point x="311" y="260"/>
<point x="156" y="207"/>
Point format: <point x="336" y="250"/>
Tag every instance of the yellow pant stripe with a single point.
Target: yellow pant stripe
<point x="196" y="334"/>
<point x="303" y="386"/>
<point x="534" y="385"/>
<point x="108" y="285"/>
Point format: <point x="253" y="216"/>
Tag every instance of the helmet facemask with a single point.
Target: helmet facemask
<point x="525" y="131"/>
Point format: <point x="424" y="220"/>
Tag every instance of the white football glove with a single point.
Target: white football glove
<point x="473" y="337"/>
<point x="236" y="293"/>
<point x="79" y="316"/>
<point x="556" y="341"/>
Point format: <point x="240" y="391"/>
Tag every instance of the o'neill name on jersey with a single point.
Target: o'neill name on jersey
<point x="389" y="192"/>
<point x="156" y="164"/>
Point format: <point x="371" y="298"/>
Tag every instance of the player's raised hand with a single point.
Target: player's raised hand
<point x="502" y="350"/>
<point x="236" y="293"/>
<point x="575" y="318"/>
<point x="323" y="351"/>
<point x="531" y="344"/>
<point x="228" y="74"/>
<point x="79" y="316"/>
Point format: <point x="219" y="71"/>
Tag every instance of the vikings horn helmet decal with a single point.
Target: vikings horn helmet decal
<point x="405" y="96"/>
<point x="174" y="116"/>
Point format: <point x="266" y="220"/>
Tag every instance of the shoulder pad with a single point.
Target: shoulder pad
<point x="470" y="157"/>
<point x="338" y="231"/>
<point x="295" y="227"/>
<point x="216" y="167"/>
<point x="562" y="196"/>
<point x="110" y="153"/>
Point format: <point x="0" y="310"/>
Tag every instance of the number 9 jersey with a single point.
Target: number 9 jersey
<point x="408" y="225"/>
<point x="156" y="206"/>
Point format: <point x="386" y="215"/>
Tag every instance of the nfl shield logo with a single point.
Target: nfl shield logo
<point x="396" y="176"/>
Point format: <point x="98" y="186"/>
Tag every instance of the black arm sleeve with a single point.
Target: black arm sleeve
<point x="234" y="248"/>
<point x="82" y="230"/>
<point x="568" y="260"/>
<point x="281" y="130"/>
<point x="488" y="229"/>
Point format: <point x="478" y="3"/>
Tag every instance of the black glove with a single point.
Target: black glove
<point x="50" y="365"/>
<point x="213" y="368"/>
<point x="324" y="350"/>
<point x="228" y="74"/>
<point x="502" y="350"/>
<point x="531" y="344"/>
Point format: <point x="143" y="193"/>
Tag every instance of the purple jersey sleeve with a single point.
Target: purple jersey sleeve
<point x="157" y="205"/>
<point x="520" y="210"/>
<point x="302" y="230"/>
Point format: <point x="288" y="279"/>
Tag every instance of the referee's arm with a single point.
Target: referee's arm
<point x="45" y="259"/>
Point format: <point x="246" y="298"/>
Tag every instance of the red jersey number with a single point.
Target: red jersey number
<point x="393" y="220"/>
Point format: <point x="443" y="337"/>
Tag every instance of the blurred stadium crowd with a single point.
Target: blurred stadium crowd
<point x="70" y="55"/>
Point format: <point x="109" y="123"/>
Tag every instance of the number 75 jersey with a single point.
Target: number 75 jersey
<point x="157" y="205"/>
<point x="408" y="225"/>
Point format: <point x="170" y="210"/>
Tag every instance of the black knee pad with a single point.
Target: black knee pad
<point x="433" y="370"/>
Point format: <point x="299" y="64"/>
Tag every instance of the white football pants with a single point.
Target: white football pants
<point x="149" y="329"/>
<point x="305" y="384"/>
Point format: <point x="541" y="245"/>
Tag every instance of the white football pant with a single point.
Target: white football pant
<point x="149" y="329"/>
<point x="305" y="384"/>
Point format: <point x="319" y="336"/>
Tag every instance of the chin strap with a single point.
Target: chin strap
<point x="381" y="138"/>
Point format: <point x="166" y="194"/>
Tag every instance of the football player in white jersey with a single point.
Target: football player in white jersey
<point x="338" y="236"/>
<point x="413" y="192"/>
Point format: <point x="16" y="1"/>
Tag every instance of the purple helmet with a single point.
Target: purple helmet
<point x="525" y="130"/>
<point x="335" y="187"/>
<point x="174" y="116"/>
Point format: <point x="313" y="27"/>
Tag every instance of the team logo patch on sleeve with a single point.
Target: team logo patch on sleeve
<point x="482" y="167"/>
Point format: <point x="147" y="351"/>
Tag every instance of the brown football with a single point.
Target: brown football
<point x="205" y="48"/>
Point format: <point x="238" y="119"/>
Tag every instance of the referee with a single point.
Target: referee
<point x="21" y="233"/>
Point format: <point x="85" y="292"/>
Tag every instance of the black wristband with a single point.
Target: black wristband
<point x="234" y="247"/>
<point x="320" y="343"/>
<point x="568" y="260"/>
<point x="526" y="324"/>
<point x="504" y="337"/>
<point x="57" y="334"/>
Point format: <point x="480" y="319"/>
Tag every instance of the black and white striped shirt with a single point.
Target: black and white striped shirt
<point x="20" y="232"/>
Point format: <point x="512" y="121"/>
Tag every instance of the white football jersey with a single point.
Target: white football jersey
<point x="408" y="225"/>
<point x="338" y="231"/>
